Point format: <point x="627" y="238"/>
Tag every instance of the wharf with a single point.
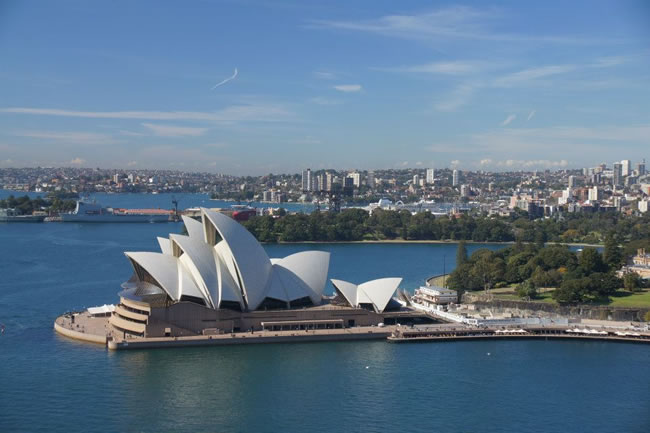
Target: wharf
<point x="446" y="333"/>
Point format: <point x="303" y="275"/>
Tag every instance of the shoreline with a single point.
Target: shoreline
<point x="428" y="241"/>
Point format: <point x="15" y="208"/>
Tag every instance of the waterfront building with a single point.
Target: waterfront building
<point x="219" y="279"/>
<point x="432" y="296"/>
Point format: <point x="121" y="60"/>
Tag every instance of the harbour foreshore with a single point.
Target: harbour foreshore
<point x="97" y="330"/>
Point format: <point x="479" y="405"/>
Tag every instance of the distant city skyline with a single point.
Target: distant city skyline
<point x="255" y="87"/>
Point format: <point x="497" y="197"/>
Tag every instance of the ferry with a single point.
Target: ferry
<point x="91" y="212"/>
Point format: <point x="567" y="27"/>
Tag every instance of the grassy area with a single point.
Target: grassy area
<point x="622" y="298"/>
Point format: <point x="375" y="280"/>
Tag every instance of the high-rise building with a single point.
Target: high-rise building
<point x="329" y="181"/>
<point x="356" y="179"/>
<point x="416" y="180"/>
<point x="572" y="181"/>
<point x="626" y="167"/>
<point x="617" y="178"/>
<point x="307" y="180"/>
<point x="431" y="174"/>
<point x="454" y="178"/>
<point x="464" y="191"/>
<point x="370" y="180"/>
<point x="594" y="194"/>
<point x="640" y="168"/>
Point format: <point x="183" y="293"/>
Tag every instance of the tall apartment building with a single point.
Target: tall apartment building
<point x="431" y="174"/>
<point x="626" y="167"/>
<point x="617" y="178"/>
<point x="356" y="179"/>
<point x="307" y="180"/>
<point x="454" y="178"/>
<point x="370" y="180"/>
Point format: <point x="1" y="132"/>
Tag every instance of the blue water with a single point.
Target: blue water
<point x="164" y="201"/>
<point x="52" y="384"/>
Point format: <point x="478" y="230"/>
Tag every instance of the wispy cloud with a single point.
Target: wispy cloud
<point x="324" y="101"/>
<point x="348" y="88"/>
<point x="531" y="115"/>
<point x="528" y="75"/>
<point x="72" y="137"/>
<point x="174" y="131"/>
<point x="509" y="120"/>
<point x="459" y="67"/>
<point x="235" y="113"/>
<point x="323" y="75"/>
<point x="77" y="161"/>
<point x="456" y="99"/>
<point x="221" y="83"/>
<point x="455" y="22"/>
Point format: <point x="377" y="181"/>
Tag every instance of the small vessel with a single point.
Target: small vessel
<point x="13" y="216"/>
<point x="92" y="212"/>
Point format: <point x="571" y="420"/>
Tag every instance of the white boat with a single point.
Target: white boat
<point x="91" y="212"/>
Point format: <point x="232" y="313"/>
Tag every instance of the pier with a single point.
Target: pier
<point x="456" y="333"/>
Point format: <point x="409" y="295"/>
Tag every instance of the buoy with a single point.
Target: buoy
<point x="488" y="354"/>
<point x="367" y="366"/>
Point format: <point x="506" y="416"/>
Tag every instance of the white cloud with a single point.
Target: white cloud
<point x="486" y="161"/>
<point x="221" y="83"/>
<point x="508" y="120"/>
<point x="77" y="161"/>
<point x="348" y="88"/>
<point x="73" y="137"/>
<point x="418" y="163"/>
<point x="324" y="75"/>
<point x="528" y="75"/>
<point x="457" y="98"/>
<point x="531" y="115"/>
<point x="324" y="101"/>
<point x="446" y="68"/>
<point x="455" y="22"/>
<point x="174" y="131"/>
<point x="234" y="113"/>
<point x="132" y="163"/>
<point x="455" y="163"/>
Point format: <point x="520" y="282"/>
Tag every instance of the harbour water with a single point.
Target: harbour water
<point x="49" y="383"/>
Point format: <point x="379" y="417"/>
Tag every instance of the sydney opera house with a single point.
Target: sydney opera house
<point x="219" y="279"/>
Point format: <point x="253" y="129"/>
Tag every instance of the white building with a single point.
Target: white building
<point x="356" y="179"/>
<point x="626" y="167"/>
<point x="430" y="296"/>
<point x="431" y="174"/>
<point x="643" y="205"/>
<point x="454" y="178"/>
<point x="594" y="194"/>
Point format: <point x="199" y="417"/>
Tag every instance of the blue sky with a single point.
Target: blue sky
<point x="365" y="84"/>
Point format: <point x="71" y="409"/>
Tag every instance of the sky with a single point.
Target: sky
<point x="256" y="87"/>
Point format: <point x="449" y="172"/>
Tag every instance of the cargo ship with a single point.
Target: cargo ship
<point x="91" y="212"/>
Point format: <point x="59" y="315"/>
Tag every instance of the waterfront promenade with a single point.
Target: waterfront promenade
<point x="91" y="329"/>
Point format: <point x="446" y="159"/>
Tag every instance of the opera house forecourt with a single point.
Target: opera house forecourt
<point x="217" y="285"/>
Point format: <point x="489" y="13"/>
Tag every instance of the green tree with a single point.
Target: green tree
<point x="461" y="253"/>
<point x="632" y="281"/>
<point x="613" y="255"/>
<point x="526" y="290"/>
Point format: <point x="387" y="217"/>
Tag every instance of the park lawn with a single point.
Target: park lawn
<point x="541" y="297"/>
<point x="623" y="298"/>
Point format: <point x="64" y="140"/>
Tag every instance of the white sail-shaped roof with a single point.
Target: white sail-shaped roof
<point x="375" y="292"/>
<point x="194" y="228"/>
<point x="200" y="262"/>
<point x="167" y="272"/>
<point x="220" y="261"/>
<point x="251" y="262"/>
<point x="165" y="247"/>
<point x="311" y="268"/>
